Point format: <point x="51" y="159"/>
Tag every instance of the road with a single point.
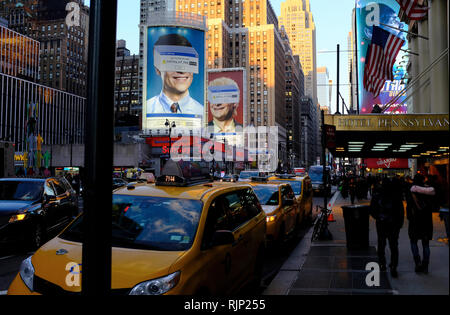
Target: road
<point x="274" y="260"/>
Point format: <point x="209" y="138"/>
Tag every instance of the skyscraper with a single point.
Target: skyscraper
<point x="297" y="19"/>
<point x="245" y="34"/>
<point x="323" y="87"/>
<point x="64" y="48"/>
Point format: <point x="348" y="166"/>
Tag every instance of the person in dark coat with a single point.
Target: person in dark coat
<point x="387" y="209"/>
<point x="352" y="186"/>
<point x="419" y="212"/>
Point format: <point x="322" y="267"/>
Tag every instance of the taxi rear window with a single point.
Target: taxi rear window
<point x="296" y="186"/>
<point x="153" y="223"/>
<point x="268" y="195"/>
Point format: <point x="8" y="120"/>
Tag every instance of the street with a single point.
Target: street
<point x="275" y="257"/>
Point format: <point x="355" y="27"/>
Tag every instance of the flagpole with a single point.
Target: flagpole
<point x="410" y="33"/>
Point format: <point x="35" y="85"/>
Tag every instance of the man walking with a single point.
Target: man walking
<point x="388" y="211"/>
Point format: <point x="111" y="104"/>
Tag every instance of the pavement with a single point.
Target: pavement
<point x="330" y="268"/>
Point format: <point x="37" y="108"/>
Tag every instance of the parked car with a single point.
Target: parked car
<point x="316" y="175"/>
<point x="119" y="182"/>
<point x="33" y="209"/>
<point x="281" y="208"/>
<point x="246" y="176"/>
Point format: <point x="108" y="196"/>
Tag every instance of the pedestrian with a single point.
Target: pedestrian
<point x="352" y="189"/>
<point x="419" y="212"/>
<point x="443" y="214"/>
<point x="344" y="187"/>
<point x="76" y="183"/>
<point x="387" y="209"/>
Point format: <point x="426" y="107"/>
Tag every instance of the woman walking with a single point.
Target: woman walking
<point x="419" y="213"/>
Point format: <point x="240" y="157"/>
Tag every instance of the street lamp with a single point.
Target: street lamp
<point x="170" y="126"/>
<point x="71" y="135"/>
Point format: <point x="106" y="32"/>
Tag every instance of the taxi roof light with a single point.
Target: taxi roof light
<point x="183" y="174"/>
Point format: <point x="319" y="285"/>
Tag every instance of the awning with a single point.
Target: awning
<point x="390" y="136"/>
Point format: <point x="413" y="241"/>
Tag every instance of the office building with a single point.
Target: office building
<point x="128" y="106"/>
<point x="27" y="108"/>
<point x="64" y="49"/>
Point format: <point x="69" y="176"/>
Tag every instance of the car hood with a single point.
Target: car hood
<point x="10" y="207"/>
<point x="129" y="266"/>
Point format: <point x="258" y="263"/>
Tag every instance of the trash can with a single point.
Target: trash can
<point x="356" y="218"/>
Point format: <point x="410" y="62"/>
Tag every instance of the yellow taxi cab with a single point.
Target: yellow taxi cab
<point x="174" y="237"/>
<point x="278" y="202"/>
<point x="303" y="191"/>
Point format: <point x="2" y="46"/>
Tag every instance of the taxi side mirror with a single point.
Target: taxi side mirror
<point x="46" y="198"/>
<point x="222" y="237"/>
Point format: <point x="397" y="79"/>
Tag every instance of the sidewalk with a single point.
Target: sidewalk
<point x="329" y="268"/>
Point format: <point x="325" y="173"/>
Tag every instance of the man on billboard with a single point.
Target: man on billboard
<point x="175" y="61"/>
<point x="224" y="98"/>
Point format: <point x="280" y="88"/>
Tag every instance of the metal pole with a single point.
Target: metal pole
<point x="356" y="64"/>
<point x="338" y="77"/>
<point x="324" y="160"/>
<point x="97" y="227"/>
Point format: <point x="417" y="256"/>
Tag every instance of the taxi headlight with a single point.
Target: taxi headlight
<point x="271" y="218"/>
<point x="27" y="273"/>
<point x="18" y="217"/>
<point x="157" y="286"/>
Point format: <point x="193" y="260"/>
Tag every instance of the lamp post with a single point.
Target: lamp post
<point x="71" y="135"/>
<point x="170" y="125"/>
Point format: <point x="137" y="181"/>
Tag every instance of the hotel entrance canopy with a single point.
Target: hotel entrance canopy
<point x="390" y="136"/>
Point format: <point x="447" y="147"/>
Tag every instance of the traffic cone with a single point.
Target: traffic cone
<point x="331" y="218"/>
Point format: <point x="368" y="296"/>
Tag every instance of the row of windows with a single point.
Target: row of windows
<point x="19" y="54"/>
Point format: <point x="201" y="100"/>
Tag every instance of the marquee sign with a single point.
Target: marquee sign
<point x="408" y="122"/>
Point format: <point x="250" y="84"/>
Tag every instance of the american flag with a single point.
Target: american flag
<point x="413" y="10"/>
<point x="380" y="59"/>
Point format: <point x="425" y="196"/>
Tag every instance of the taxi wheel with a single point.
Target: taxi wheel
<point x="258" y="270"/>
<point x="282" y="235"/>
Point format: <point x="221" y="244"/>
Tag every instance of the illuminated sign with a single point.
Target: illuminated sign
<point x="384" y="14"/>
<point x="409" y="122"/>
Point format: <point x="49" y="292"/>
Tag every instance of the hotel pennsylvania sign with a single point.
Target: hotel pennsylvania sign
<point x="408" y="122"/>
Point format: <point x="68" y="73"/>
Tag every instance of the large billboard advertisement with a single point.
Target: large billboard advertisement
<point x="380" y="13"/>
<point x="227" y="104"/>
<point x="174" y="78"/>
<point x="226" y="100"/>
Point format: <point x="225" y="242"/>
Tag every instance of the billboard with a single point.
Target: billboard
<point x="227" y="104"/>
<point x="371" y="13"/>
<point x="174" y="78"/>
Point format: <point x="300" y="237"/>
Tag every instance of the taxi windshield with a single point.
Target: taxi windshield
<point x="296" y="186"/>
<point x="267" y="194"/>
<point x="153" y="223"/>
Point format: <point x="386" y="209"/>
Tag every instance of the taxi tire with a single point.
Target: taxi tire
<point x="258" y="269"/>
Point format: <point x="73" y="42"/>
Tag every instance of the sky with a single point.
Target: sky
<point x="333" y="22"/>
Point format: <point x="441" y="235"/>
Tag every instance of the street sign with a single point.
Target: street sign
<point x="330" y="132"/>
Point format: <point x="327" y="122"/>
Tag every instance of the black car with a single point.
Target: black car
<point x="33" y="210"/>
<point x="119" y="182"/>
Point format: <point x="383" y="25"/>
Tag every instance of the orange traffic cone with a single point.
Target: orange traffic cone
<point x="331" y="218"/>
